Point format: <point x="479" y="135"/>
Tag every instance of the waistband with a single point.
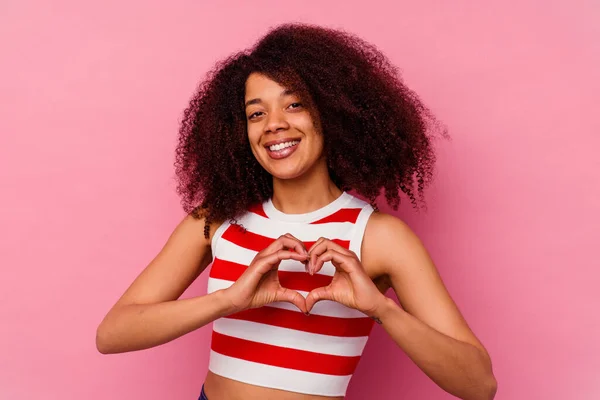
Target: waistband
<point x="202" y="395"/>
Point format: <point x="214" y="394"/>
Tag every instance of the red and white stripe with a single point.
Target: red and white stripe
<point x="277" y="346"/>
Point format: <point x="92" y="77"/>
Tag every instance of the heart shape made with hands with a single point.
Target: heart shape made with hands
<point x="338" y="287"/>
<point x="264" y="281"/>
<point x="301" y="281"/>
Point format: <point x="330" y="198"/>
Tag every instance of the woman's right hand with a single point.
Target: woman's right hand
<point x="259" y="284"/>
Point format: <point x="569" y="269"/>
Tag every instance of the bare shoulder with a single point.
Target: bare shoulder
<point x="381" y="225"/>
<point x="387" y="238"/>
<point x="193" y="228"/>
<point x="398" y="255"/>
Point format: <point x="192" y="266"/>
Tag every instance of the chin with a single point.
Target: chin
<point x="285" y="175"/>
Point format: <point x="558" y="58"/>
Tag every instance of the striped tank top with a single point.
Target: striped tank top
<point x="277" y="346"/>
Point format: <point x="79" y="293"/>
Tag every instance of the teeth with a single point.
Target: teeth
<point x="281" y="146"/>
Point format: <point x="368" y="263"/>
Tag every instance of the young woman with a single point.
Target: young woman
<point x="269" y="148"/>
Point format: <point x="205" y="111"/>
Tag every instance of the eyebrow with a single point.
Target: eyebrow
<point x="286" y="92"/>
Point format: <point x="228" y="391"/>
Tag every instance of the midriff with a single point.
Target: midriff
<point x="218" y="387"/>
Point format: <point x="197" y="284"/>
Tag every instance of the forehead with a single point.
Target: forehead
<point x="259" y="85"/>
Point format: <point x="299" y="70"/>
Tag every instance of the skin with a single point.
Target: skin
<point x="274" y="113"/>
<point x="428" y="327"/>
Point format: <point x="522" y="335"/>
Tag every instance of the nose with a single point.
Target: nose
<point x="275" y="122"/>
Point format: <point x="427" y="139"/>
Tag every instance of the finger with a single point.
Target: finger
<point x="316" y="295"/>
<point x="324" y="244"/>
<point x="291" y="296"/>
<point x="300" y="242"/>
<point x="286" y="241"/>
<point x="321" y="246"/>
<point x="304" y="250"/>
<point x="314" y="252"/>
<point x="272" y="260"/>
<point x="341" y="262"/>
<point x="319" y="241"/>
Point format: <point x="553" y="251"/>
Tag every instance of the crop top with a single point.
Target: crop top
<point x="277" y="346"/>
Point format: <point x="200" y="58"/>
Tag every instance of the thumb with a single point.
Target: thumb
<point x="317" y="295"/>
<point x="291" y="296"/>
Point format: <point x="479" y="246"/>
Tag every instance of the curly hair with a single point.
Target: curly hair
<point x="377" y="132"/>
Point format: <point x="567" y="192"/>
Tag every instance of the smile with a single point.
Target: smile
<point x="283" y="149"/>
<point x="281" y="146"/>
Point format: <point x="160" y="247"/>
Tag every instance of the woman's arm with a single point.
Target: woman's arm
<point x="429" y="328"/>
<point x="148" y="313"/>
<point x="458" y="367"/>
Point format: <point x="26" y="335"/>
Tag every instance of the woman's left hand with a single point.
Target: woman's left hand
<point x="350" y="286"/>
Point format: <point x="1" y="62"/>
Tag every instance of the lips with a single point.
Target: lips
<point x="282" y="153"/>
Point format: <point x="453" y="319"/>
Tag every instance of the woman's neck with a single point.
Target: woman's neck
<point x="306" y="193"/>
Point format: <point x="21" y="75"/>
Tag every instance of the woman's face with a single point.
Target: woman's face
<point x="282" y="134"/>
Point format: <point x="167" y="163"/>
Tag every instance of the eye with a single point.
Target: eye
<point x="295" y="105"/>
<point x="254" y="115"/>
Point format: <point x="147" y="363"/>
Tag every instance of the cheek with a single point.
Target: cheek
<point x="253" y="135"/>
<point x="320" y="146"/>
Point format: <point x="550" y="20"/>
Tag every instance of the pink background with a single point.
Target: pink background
<point x="91" y="94"/>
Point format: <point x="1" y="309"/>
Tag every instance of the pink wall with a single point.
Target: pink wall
<point x="90" y="100"/>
